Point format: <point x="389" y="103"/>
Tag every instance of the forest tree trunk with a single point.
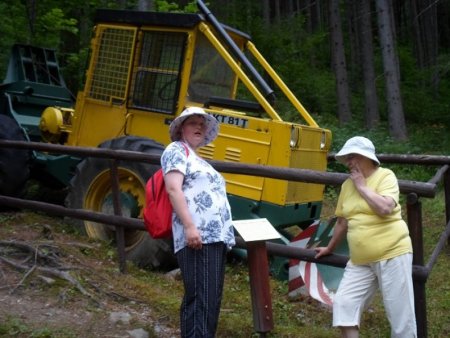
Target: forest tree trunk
<point x="266" y="13"/>
<point x="426" y="37"/>
<point x="338" y="63"/>
<point x="396" y="118"/>
<point x="372" y="115"/>
<point x="142" y="5"/>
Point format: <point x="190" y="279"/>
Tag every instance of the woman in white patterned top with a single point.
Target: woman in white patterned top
<point x="202" y="224"/>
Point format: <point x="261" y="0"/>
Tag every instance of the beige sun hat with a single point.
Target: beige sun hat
<point x="357" y="145"/>
<point x="212" y="125"/>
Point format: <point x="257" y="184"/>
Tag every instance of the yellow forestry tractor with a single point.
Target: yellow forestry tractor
<point x="144" y="69"/>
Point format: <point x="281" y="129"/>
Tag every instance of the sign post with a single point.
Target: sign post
<point x="255" y="232"/>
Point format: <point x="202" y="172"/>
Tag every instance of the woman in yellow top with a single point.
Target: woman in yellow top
<point x="369" y="214"/>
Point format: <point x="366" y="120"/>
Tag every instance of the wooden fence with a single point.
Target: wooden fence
<point x="414" y="190"/>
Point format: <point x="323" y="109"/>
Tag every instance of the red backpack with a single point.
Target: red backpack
<point x="158" y="209"/>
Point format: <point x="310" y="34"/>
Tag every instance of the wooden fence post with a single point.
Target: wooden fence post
<point x="259" y="286"/>
<point x="120" y="231"/>
<point x="447" y="198"/>
<point x="414" y="210"/>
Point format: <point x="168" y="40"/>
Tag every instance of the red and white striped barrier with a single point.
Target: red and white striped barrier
<point x="304" y="277"/>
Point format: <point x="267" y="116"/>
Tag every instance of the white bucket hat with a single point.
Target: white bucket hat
<point x="212" y="125"/>
<point x="357" y="145"/>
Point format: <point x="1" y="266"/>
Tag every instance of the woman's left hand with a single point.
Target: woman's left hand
<point x="193" y="238"/>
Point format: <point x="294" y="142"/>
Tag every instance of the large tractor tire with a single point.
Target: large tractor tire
<point x="90" y="189"/>
<point x="14" y="163"/>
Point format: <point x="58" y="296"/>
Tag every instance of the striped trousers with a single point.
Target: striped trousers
<point x="203" y="273"/>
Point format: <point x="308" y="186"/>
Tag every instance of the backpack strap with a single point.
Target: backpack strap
<point x="185" y="148"/>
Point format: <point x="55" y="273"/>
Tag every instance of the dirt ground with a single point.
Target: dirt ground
<point x="50" y="282"/>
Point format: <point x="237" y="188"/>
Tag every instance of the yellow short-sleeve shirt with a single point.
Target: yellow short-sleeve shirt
<point x="371" y="237"/>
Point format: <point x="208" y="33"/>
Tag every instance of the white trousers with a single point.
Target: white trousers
<point x="358" y="286"/>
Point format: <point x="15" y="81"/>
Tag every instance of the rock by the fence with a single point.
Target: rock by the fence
<point x="174" y="274"/>
<point x="119" y="317"/>
<point x="138" y="333"/>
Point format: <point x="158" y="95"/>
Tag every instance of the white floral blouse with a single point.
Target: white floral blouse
<point x="206" y="197"/>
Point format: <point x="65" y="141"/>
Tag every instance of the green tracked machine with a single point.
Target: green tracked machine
<point x="144" y="69"/>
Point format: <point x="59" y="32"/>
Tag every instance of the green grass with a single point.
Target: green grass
<point x="15" y="327"/>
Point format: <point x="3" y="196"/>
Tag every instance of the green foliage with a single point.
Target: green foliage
<point x="73" y="68"/>
<point x="13" y="24"/>
<point x="301" y="57"/>
<point x="51" y="25"/>
<point x="165" y="6"/>
<point x="9" y="24"/>
<point x="420" y="98"/>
